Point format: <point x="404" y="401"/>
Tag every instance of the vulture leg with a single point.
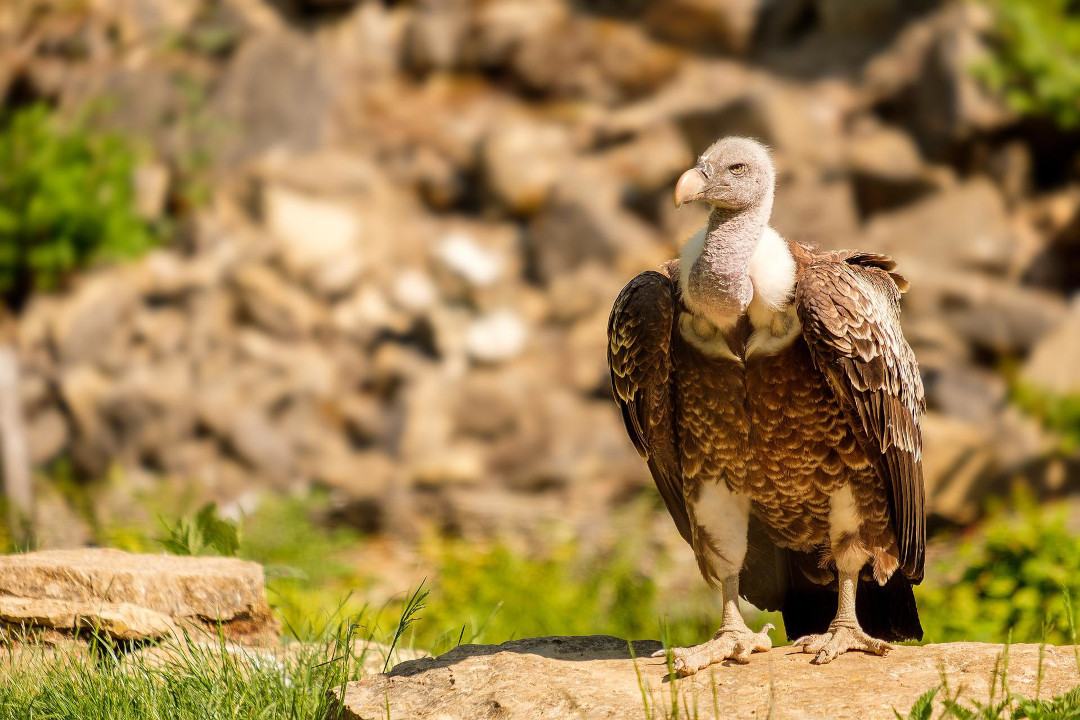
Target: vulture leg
<point x="844" y="632"/>
<point x="733" y="641"/>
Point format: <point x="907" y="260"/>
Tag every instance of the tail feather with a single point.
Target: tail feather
<point x="792" y="582"/>
<point x="886" y="612"/>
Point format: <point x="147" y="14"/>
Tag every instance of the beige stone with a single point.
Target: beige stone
<point x="121" y="621"/>
<point x="204" y="588"/>
<point x="1053" y="364"/>
<point x="595" y="677"/>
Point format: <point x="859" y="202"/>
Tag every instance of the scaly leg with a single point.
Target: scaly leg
<point x="734" y="640"/>
<point x="844" y="632"/>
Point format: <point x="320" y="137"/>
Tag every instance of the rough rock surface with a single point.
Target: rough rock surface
<point x="131" y="597"/>
<point x="595" y="677"/>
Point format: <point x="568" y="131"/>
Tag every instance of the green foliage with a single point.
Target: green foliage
<point x="1063" y="707"/>
<point x="205" y="534"/>
<point x="1012" y="574"/>
<point x="923" y="708"/>
<point x="1036" y="64"/>
<point x="1001" y="703"/>
<point x="1058" y="413"/>
<point x="495" y="594"/>
<point x="65" y="201"/>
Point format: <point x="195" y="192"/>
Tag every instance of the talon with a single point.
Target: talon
<point x="839" y="640"/>
<point x="659" y="653"/>
<point x="734" y="644"/>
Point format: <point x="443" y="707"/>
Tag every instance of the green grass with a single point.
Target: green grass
<point x="179" y="681"/>
<point x="479" y="592"/>
<point x="1001" y="703"/>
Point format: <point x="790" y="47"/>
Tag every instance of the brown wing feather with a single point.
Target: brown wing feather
<point x="849" y="306"/>
<point x="639" y="356"/>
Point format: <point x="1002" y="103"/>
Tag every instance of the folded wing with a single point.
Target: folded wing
<point x="639" y="356"/>
<point x="849" y="306"/>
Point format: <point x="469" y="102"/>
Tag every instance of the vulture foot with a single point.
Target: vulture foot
<point x="734" y="644"/>
<point x="839" y="640"/>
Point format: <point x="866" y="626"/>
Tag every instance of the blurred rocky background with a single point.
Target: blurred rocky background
<point x="369" y="248"/>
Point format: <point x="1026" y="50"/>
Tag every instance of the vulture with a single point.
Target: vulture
<point x="770" y="390"/>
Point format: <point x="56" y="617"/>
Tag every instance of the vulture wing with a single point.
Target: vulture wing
<point x="849" y="306"/>
<point x="639" y="356"/>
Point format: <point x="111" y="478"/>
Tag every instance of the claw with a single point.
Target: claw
<point x="737" y="645"/>
<point x="838" y="640"/>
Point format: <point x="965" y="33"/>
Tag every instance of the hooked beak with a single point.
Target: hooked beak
<point x="690" y="187"/>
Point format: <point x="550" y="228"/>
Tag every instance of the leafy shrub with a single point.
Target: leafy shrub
<point x="1036" y="63"/>
<point x="65" y="201"/>
<point x="1016" y="572"/>
<point x="1058" y="413"/>
<point x="495" y="594"/>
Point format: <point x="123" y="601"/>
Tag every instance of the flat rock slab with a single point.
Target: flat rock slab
<point x="131" y="596"/>
<point x="595" y="677"/>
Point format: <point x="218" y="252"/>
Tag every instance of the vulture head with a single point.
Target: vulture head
<point x="735" y="173"/>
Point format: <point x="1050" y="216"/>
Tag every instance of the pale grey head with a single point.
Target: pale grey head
<point x="735" y="173"/>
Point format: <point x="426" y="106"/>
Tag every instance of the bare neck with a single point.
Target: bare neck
<point x="718" y="283"/>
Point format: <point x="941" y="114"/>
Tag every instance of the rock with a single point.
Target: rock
<point x="964" y="391"/>
<point x="963" y="227"/>
<point x="652" y="160"/>
<point x="888" y="169"/>
<point x="132" y="596"/>
<point x="151" y="187"/>
<point x="47" y="435"/>
<point x="986" y="312"/>
<point x="150" y="407"/>
<point x="89" y="325"/>
<point x="948" y="102"/>
<point x="576" y="230"/>
<point x="803" y="124"/>
<point x="276" y="90"/>
<point x="1053" y="364"/>
<point x="414" y="291"/>
<point x="496" y="337"/>
<point x="437" y="34"/>
<point x="596" y="677"/>
<point x="605" y="61"/>
<point x="522" y="162"/>
<point x="704" y="24"/>
<point x="320" y="239"/>
<point x="282" y="309"/>
<point x="261" y="444"/>
<point x="1057" y="264"/>
<point x="816" y="210"/>
<point x="120" y="621"/>
<point x="874" y="17"/>
<point x="141" y="21"/>
<point x="957" y="456"/>
<point x="94" y="445"/>
<point x="463" y="255"/>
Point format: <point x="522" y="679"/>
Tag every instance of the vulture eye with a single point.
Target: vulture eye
<point x="737" y="169"/>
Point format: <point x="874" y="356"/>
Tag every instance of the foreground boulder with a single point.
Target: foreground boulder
<point x="132" y="597"/>
<point x="595" y="677"/>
